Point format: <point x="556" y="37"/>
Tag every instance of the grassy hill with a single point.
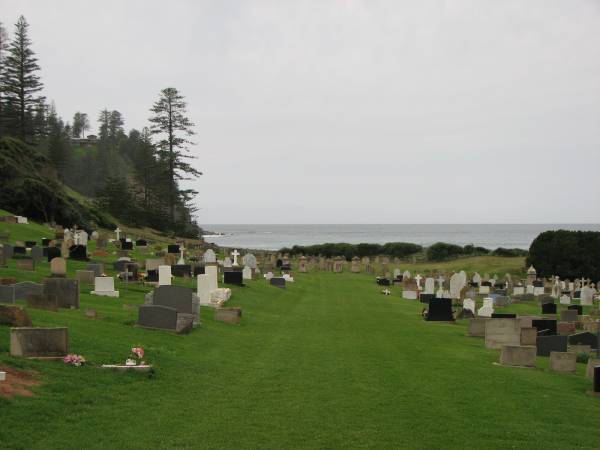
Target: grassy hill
<point x="327" y="363"/>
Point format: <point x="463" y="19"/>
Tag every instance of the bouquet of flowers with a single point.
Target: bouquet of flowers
<point x="137" y="354"/>
<point x="74" y="360"/>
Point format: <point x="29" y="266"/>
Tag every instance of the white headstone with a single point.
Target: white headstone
<point x="203" y="289"/>
<point x="118" y="232"/>
<point x="247" y="273"/>
<point x="518" y="290"/>
<point x="164" y="275"/>
<point x="213" y="273"/>
<point x="227" y="262"/>
<point x="587" y="296"/>
<point x="105" y="286"/>
<point x="487" y="309"/>
<point x="565" y="300"/>
<point x="457" y="282"/>
<point x="469" y="303"/>
<point x="235" y="254"/>
<point x="209" y="256"/>
<point x="476" y="278"/>
<point x="249" y="260"/>
<point x="429" y="286"/>
<point x="418" y="279"/>
<point x="406" y="275"/>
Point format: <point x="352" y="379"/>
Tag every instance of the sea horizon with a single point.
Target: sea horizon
<point x="277" y="236"/>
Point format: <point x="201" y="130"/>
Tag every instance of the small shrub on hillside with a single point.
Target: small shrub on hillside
<point x="442" y="251"/>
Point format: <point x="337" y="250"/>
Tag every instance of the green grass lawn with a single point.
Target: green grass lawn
<point x="327" y="363"/>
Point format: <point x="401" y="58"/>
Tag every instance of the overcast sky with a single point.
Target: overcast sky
<point x="350" y="111"/>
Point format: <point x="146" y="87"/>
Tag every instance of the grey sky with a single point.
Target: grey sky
<point x="351" y="111"/>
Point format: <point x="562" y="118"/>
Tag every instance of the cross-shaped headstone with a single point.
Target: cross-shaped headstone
<point x="418" y="279"/>
<point x="440" y="281"/>
<point x="235" y="254"/>
<point x="76" y="238"/>
<point x="118" y="231"/>
<point x="181" y="260"/>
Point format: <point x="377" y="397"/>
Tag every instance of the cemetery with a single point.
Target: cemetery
<point x="88" y="308"/>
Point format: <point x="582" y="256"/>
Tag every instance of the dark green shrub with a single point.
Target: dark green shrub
<point x="441" y="251"/>
<point x="568" y="254"/>
<point x="509" y="252"/>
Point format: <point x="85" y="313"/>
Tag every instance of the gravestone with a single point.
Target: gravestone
<point x="233" y="277"/>
<point x="7" y="294"/>
<point x="154" y="263"/>
<point x="228" y="315"/>
<point x="440" y="310"/>
<point x="177" y="297"/>
<point x="58" y="267"/>
<point x="14" y="316"/>
<point x="528" y="336"/>
<point x="85" y="276"/>
<point x="517" y="355"/>
<point x="164" y="275"/>
<point x="277" y="282"/>
<point x="504" y="316"/>
<point x="105" y="286"/>
<point x="173" y="249"/>
<point x="569" y="315"/>
<point x="544" y="324"/>
<point x="429" y="286"/>
<point x="548" y="308"/>
<point x="52" y="252"/>
<point x="586" y="296"/>
<point x="247" y="273"/>
<point x="477" y="326"/>
<point x="499" y="332"/>
<point x="25" y="264"/>
<point x="584" y="338"/>
<point x="141" y="243"/>
<point x="26" y="288"/>
<point x="78" y="253"/>
<point x="96" y="268"/>
<point x="47" y="302"/>
<point x="547" y="344"/>
<point x="563" y="362"/>
<point x="409" y="289"/>
<point x="37" y="254"/>
<point x="203" y="289"/>
<point x="39" y="342"/>
<point x="65" y="289"/>
<point x="164" y="318"/>
<point x="469" y="304"/>
<point x="565" y="328"/>
<point x="209" y="256"/>
<point x="577" y="308"/>
<point x="152" y="276"/>
<point x="182" y="270"/>
<point x="487" y="309"/>
<point x="127" y="245"/>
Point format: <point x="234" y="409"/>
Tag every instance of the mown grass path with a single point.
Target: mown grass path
<point x="327" y="363"/>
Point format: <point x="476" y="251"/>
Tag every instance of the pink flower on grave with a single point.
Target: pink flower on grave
<point x="74" y="360"/>
<point x="138" y="352"/>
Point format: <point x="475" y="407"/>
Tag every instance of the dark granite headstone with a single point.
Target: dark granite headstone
<point x="597" y="379"/>
<point x="141" y="243"/>
<point x="426" y="298"/>
<point x="173" y="248"/>
<point x="8" y="251"/>
<point x="52" y="252"/>
<point x="547" y="344"/>
<point x="279" y="263"/>
<point x="65" y="289"/>
<point x="7" y="293"/>
<point x="181" y="270"/>
<point x="37" y="254"/>
<point x="544" y="324"/>
<point x="45" y="242"/>
<point x="383" y="281"/>
<point x="504" y="316"/>
<point x="157" y="316"/>
<point x="440" y="309"/>
<point x="176" y="297"/>
<point x="233" y="278"/>
<point x="26" y="288"/>
<point x="152" y="276"/>
<point x="278" y="282"/>
<point x="78" y="252"/>
<point x="19" y="250"/>
<point x="548" y="308"/>
<point x="127" y="245"/>
<point x="584" y="338"/>
<point x="579" y="309"/>
<point x="30" y="244"/>
<point x="199" y="270"/>
<point x="577" y="294"/>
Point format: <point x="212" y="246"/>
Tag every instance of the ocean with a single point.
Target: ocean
<point x="274" y="237"/>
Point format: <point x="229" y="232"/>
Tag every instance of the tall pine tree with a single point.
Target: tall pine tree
<point x="3" y="53"/>
<point x="172" y="126"/>
<point x="21" y="84"/>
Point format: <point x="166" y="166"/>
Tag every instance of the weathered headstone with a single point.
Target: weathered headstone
<point x="105" y="286"/>
<point x="499" y="332"/>
<point x="14" y="316"/>
<point x="228" y="315"/>
<point x="85" y="276"/>
<point x="58" y="267"/>
<point x="39" y="342"/>
<point x="563" y="362"/>
<point x="66" y="291"/>
<point x="517" y="355"/>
